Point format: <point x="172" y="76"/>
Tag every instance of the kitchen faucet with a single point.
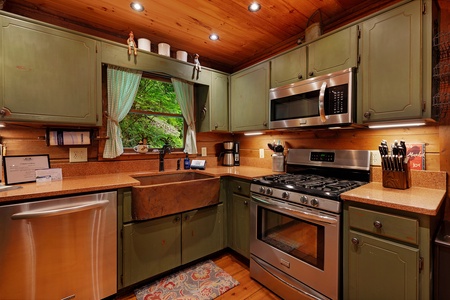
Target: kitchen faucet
<point x="165" y="149"/>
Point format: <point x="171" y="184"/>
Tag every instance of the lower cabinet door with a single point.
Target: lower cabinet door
<point x="240" y="227"/>
<point x="202" y="232"/>
<point x="150" y="248"/>
<point x="381" y="269"/>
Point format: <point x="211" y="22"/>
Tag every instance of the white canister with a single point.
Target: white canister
<point x="182" y="55"/>
<point x="144" y="44"/>
<point x="278" y="162"/>
<point x="164" y="49"/>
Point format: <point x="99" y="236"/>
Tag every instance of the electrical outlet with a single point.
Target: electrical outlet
<point x="261" y="153"/>
<point x="204" y="153"/>
<point x="375" y="158"/>
<point x="78" y="155"/>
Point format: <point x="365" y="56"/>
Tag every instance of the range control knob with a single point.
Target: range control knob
<point x="304" y="200"/>
<point x="261" y="189"/>
<point x="314" y="202"/>
<point x="269" y="191"/>
<point x="285" y="195"/>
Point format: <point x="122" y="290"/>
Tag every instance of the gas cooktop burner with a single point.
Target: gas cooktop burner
<point x="310" y="184"/>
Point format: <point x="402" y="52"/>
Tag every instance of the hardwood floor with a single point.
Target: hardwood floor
<point x="247" y="288"/>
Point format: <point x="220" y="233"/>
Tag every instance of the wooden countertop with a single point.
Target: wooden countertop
<point x="94" y="183"/>
<point x="419" y="200"/>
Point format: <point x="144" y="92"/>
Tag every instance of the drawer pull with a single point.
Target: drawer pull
<point x="377" y="224"/>
<point x="239" y="187"/>
<point x="355" y="241"/>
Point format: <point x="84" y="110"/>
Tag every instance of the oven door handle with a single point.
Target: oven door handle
<point x="289" y="209"/>
<point x="323" y="117"/>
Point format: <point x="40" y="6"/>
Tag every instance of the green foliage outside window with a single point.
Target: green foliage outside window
<point x="155" y="116"/>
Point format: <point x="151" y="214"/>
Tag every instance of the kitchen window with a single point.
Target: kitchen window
<point x="155" y="116"/>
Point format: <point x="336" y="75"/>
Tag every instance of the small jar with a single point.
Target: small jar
<point x="278" y="162"/>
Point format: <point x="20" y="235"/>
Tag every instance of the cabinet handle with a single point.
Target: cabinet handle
<point x="311" y="74"/>
<point x="377" y="224"/>
<point x="355" y="241"/>
<point x="216" y="125"/>
<point x="265" y="124"/>
<point x="367" y="115"/>
<point x="177" y="219"/>
<point x="187" y="217"/>
<point x="246" y="203"/>
<point x="4" y="111"/>
<point x="300" y="76"/>
<point x="239" y="187"/>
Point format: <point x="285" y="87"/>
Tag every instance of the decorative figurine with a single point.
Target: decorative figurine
<point x="131" y="44"/>
<point x="198" y="67"/>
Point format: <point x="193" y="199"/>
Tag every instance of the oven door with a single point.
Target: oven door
<point x="300" y="242"/>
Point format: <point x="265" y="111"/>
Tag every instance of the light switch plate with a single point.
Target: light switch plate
<point x="204" y="153"/>
<point x="78" y="155"/>
<point x="261" y="153"/>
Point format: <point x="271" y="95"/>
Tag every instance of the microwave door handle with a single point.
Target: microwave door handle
<point x="322" y="102"/>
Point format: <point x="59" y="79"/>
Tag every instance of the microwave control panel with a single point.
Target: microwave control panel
<point x="337" y="100"/>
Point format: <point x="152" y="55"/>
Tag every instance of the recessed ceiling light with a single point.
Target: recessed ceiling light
<point x="213" y="37"/>
<point x="255" y="6"/>
<point x="136" y="6"/>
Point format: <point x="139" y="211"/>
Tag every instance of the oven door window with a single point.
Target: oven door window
<point x="296" y="237"/>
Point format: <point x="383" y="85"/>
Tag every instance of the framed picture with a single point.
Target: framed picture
<point x="22" y="168"/>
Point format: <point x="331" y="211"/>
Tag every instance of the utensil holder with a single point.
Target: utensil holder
<point x="397" y="179"/>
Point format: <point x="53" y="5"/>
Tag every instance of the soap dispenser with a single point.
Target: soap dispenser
<point x="187" y="163"/>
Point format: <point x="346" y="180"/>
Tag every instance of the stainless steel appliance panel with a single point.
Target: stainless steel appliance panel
<point x="327" y="100"/>
<point x="311" y="257"/>
<point x="62" y="248"/>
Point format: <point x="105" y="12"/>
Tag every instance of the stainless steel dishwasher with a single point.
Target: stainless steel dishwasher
<point x="61" y="248"/>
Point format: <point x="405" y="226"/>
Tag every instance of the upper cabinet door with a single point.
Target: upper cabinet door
<point x="250" y="98"/>
<point x="390" y="72"/>
<point x="48" y="75"/>
<point x="219" y="102"/>
<point x="288" y="68"/>
<point x="335" y="52"/>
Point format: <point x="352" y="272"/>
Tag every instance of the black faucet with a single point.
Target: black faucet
<point x="165" y="149"/>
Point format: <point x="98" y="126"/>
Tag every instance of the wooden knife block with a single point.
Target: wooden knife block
<point x="397" y="179"/>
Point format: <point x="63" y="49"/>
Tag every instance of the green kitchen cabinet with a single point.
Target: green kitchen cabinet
<point x="387" y="253"/>
<point x="390" y="76"/>
<point x="239" y="216"/>
<point x="202" y="233"/>
<point x="334" y="52"/>
<point x="288" y="68"/>
<point x="250" y="98"/>
<point x="381" y="269"/>
<point x="150" y="248"/>
<point x="212" y="104"/>
<point x="154" y="246"/>
<point x="48" y="75"/>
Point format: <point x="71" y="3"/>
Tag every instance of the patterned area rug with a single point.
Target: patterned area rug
<point x="200" y="282"/>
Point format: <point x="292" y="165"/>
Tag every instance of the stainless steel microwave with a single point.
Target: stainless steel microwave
<point x="327" y="100"/>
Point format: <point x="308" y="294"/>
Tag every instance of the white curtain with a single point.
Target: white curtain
<point x="122" y="88"/>
<point x="185" y="97"/>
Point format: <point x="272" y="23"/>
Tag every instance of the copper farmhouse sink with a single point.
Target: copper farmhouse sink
<point x="170" y="193"/>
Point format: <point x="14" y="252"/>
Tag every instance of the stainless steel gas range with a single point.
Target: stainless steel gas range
<point x="295" y="229"/>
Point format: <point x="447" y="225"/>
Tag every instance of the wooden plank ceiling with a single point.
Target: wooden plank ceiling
<point x="244" y="37"/>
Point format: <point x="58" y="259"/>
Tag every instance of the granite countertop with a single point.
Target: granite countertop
<point x="416" y="199"/>
<point x="94" y="183"/>
<point x="69" y="185"/>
